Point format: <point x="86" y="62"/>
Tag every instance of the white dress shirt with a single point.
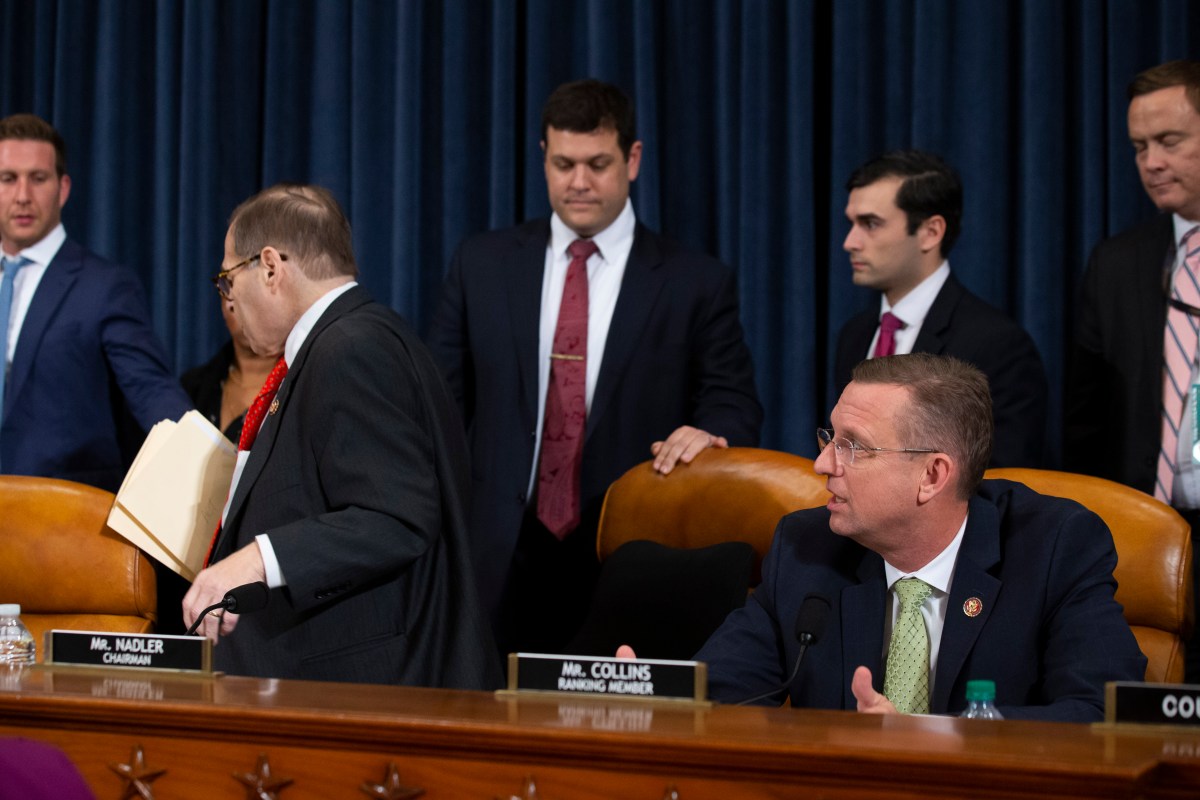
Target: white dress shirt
<point x="912" y="310"/>
<point x="291" y="347"/>
<point x="26" y="283"/>
<point x="605" y="270"/>
<point x="939" y="575"/>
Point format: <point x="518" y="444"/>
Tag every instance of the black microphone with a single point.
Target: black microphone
<point x="810" y="626"/>
<point x="238" y="600"/>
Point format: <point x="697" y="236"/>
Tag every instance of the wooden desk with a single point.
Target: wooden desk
<point x="339" y="740"/>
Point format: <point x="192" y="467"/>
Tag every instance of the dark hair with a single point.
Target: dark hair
<point x="930" y="188"/>
<point x="588" y="105"/>
<point x="304" y="222"/>
<point x="951" y="408"/>
<point x="34" y="128"/>
<point x="1173" y="73"/>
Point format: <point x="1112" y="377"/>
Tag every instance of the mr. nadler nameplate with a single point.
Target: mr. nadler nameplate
<point x="620" y="677"/>
<point x="140" y="650"/>
<point x="1155" y="704"/>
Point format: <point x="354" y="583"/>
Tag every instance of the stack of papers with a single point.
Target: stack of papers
<point x="172" y="497"/>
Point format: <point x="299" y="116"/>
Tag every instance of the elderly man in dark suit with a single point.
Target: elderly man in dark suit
<point x="79" y="354"/>
<point x="933" y="577"/>
<point x="1131" y="389"/>
<point x="348" y="494"/>
<point x="577" y="346"/>
<point x="905" y="213"/>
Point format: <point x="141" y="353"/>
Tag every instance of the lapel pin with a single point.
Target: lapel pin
<point x="972" y="606"/>
<point x="274" y="407"/>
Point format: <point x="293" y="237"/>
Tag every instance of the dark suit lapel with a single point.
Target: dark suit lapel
<point x="56" y="282"/>
<point x="974" y="592"/>
<point x="523" y="278"/>
<point x="863" y="609"/>
<point x="640" y="287"/>
<point x="931" y="339"/>
<point x="264" y="443"/>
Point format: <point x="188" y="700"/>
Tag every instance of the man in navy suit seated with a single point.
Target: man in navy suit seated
<point x="80" y="355"/>
<point x="935" y="577"/>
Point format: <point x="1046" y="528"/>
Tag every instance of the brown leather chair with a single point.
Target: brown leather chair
<point x="738" y="494"/>
<point x="62" y="563"/>
<point x="1154" y="561"/>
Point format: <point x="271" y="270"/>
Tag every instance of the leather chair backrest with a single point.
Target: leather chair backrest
<point x="737" y="494"/>
<point x="62" y="563"/>
<point x="1154" y="560"/>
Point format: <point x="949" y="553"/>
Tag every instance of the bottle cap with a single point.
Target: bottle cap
<point x="10" y="609"/>
<point x="981" y="690"/>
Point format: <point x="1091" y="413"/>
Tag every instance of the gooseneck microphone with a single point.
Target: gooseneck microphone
<point x="810" y="626"/>
<point x="239" y="600"/>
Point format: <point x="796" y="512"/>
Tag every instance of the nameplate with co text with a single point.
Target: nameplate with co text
<point x="610" y="677"/>
<point x="1173" y="704"/>
<point x="129" y="650"/>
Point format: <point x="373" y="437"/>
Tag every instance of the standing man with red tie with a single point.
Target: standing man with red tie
<point x="348" y="494"/>
<point x="905" y="213"/>
<point x="577" y="347"/>
<point x="1133" y="379"/>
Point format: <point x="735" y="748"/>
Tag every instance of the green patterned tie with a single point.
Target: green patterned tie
<point x="906" y="682"/>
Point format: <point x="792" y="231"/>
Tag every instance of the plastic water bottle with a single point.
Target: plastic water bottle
<point x="981" y="701"/>
<point x="16" y="642"/>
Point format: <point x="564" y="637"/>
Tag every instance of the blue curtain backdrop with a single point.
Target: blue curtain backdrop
<point x="423" y="118"/>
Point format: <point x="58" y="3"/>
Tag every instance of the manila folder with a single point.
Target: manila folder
<point x="171" y="500"/>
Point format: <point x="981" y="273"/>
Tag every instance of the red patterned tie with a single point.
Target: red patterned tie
<point x="250" y="426"/>
<point x="566" y="401"/>
<point x="889" y="323"/>
<point x="1179" y="354"/>
<point x="258" y="409"/>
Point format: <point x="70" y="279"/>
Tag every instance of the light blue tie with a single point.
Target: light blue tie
<point x="11" y="267"/>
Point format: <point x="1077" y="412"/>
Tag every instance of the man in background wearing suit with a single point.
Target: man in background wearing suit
<point x="80" y="354"/>
<point x="935" y="577"/>
<point x="1131" y="391"/>
<point x="348" y="494"/>
<point x="577" y="346"/>
<point x="905" y="212"/>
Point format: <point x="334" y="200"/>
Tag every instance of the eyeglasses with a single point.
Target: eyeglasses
<point x="222" y="280"/>
<point x="845" y="450"/>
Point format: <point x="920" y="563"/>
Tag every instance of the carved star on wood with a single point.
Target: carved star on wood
<point x="391" y="789"/>
<point x="261" y="784"/>
<point x="528" y="791"/>
<point x="137" y="777"/>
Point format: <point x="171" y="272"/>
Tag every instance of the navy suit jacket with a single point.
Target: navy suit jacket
<point x="359" y="478"/>
<point x="1114" y="387"/>
<point x="675" y="355"/>
<point x="87" y="357"/>
<point x="960" y="324"/>
<point x="1049" y="633"/>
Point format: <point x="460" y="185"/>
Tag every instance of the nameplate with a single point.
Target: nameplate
<point x="129" y="650"/>
<point x="1152" y="703"/>
<point x="610" y="677"/>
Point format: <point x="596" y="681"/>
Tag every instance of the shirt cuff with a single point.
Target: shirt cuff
<point x="275" y="577"/>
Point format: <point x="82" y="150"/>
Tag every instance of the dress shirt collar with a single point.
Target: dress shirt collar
<point x="1182" y="226"/>
<point x="308" y="319"/>
<point x="938" y="573"/>
<point x="617" y="236"/>
<point x="914" y="306"/>
<point x="44" y="251"/>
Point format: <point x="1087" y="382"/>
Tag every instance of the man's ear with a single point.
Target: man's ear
<point x="940" y="475"/>
<point x="931" y="232"/>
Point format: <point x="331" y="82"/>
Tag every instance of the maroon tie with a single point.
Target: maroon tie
<point x="889" y="323"/>
<point x="566" y="401"/>
<point x="250" y="426"/>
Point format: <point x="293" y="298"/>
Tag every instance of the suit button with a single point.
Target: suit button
<point x="521" y="498"/>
